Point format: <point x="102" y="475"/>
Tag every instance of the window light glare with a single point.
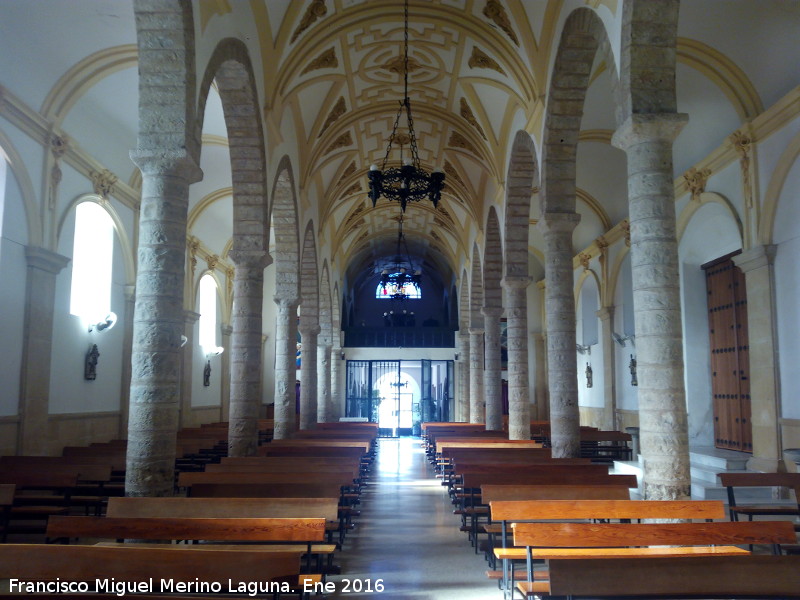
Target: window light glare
<point x="90" y="296"/>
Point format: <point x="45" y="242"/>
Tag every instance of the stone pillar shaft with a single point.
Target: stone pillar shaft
<point x="337" y="383"/>
<point x="43" y="267"/>
<point x="519" y="411"/>
<point x="758" y="266"/>
<point x="560" y="316"/>
<point x="308" y="375"/>
<point x="187" y="360"/>
<point x="462" y="405"/>
<point x="606" y="316"/>
<point x="245" y="355"/>
<point x="157" y="325"/>
<point x="492" y="383"/>
<point x="324" y="383"/>
<point x="647" y="140"/>
<point x="477" y="401"/>
<point x="285" y="368"/>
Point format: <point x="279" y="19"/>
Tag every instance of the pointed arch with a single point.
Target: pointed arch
<point x="309" y="328"/>
<point x="324" y="345"/>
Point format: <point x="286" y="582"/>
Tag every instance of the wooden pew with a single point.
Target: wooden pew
<point x="7" y="491"/>
<point x="189" y="480"/>
<point x="775" y="480"/>
<point x="76" y="563"/>
<point x="547" y="541"/>
<point x="707" y="577"/>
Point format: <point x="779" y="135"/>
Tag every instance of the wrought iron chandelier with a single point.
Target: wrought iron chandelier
<point x="395" y="278"/>
<point x="409" y="182"/>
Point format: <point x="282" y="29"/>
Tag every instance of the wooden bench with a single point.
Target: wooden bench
<point x="548" y="541"/>
<point x="706" y="577"/>
<point x="7" y="491"/>
<point x="774" y="480"/>
<point x="77" y="563"/>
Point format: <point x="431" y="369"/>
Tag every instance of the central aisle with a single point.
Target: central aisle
<point x="408" y="536"/>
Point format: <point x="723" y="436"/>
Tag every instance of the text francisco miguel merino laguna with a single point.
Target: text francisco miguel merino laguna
<point x="151" y="585"/>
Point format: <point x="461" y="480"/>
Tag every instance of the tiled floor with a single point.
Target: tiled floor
<point x="408" y="537"/>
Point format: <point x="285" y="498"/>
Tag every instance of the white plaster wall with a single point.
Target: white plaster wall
<point x="268" y="327"/>
<point x="588" y="328"/>
<point x="627" y="395"/>
<point x="787" y="290"/>
<point x="711" y="233"/>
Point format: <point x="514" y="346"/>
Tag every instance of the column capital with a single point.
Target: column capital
<point x="476" y="331"/>
<point x="515" y="282"/>
<point x="250" y="259"/>
<point x="309" y="329"/>
<point x="639" y="128"/>
<point x="558" y="222"/>
<point x="45" y="260"/>
<point x="286" y="301"/>
<point x="756" y="258"/>
<point x="130" y="292"/>
<point x="226" y="330"/>
<point x="190" y="317"/>
<point x="606" y="313"/>
<point x="492" y="311"/>
<point x="167" y="162"/>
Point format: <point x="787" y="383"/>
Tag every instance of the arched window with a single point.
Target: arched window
<point x="398" y="285"/>
<point x="92" y="254"/>
<point x="208" y="314"/>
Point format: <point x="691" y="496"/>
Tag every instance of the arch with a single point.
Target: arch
<point x="783" y="167"/>
<point x="476" y="291"/>
<point x="284" y="221"/>
<point x="587" y="273"/>
<point x="29" y="202"/>
<point x="463" y="302"/>
<point x="119" y="229"/>
<point x="231" y="69"/>
<point x="692" y="207"/>
<point x="493" y="262"/>
<point x="521" y="178"/>
<point x="309" y="279"/>
<point x="582" y="39"/>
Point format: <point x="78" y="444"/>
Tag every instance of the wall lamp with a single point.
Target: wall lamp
<point x="107" y="323"/>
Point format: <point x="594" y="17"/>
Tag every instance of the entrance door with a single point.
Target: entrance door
<point x="730" y="363"/>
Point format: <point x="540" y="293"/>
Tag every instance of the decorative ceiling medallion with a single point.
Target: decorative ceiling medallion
<point x="495" y="11"/>
<point x="342" y="141"/>
<point x="337" y="111"/>
<point x="326" y="60"/>
<point x="395" y="65"/>
<point x="397" y="218"/>
<point x="466" y="112"/>
<point x="459" y="141"/>
<point x="403" y="139"/>
<point x="314" y="11"/>
<point x="103" y="183"/>
<point x="481" y="60"/>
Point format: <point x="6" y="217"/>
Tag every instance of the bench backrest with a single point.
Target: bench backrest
<point x="170" y="528"/>
<point x="35" y="478"/>
<point x="494" y="493"/>
<point x="115" y="461"/>
<point x="7" y="491"/>
<point x="39" y="562"/>
<point x="190" y="478"/>
<point x="548" y="466"/>
<point x="347" y="451"/>
<point x="620" y="535"/>
<point x="266" y="490"/>
<point x="81" y="471"/>
<point x="327" y="508"/>
<point x="558" y="476"/>
<point x="759" y="576"/>
<point x="525" y="510"/>
<point x="760" y="479"/>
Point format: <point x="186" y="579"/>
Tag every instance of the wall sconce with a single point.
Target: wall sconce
<point x="107" y="323"/>
<point x="184" y="339"/>
<point x="341" y="355"/>
<point x="583" y="349"/>
<point x="456" y="356"/>
<point x="622" y="339"/>
<point x="215" y="351"/>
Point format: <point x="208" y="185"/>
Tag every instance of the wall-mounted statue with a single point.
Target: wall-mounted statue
<point x="632" y="367"/>
<point x="90" y="366"/>
<point x="589" y="376"/>
<point x="207" y="374"/>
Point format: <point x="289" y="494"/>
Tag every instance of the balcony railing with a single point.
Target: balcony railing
<point x="399" y="337"/>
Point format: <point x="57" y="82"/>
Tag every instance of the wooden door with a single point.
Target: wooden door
<point x="730" y="377"/>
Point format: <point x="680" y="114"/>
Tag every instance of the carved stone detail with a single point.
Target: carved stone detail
<point x="337" y="111"/>
<point x="314" y="11"/>
<point x="212" y="262"/>
<point x="353" y="189"/>
<point x="395" y="65"/>
<point x="696" y="181"/>
<point x="349" y="170"/>
<point x="342" y="141"/>
<point x="626" y="227"/>
<point x="194" y="246"/>
<point x="742" y="144"/>
<point x="495" y="11"/>
<point x="467" y="113"/>
<point x="326" y="60"/>
<point x="479" y="59"/>
<point x="103" y="183"/>
<point x="459" y="141"/>
<point x="441" y="210"/>
<point x="584" y="259"/>
<point x="451" y="172"/>
<point x="355" y="215"/>
<point x="58" y="145"/>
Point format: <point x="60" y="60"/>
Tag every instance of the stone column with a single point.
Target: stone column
<point x="337" y="382"/>
<point x="158" y="323"/>
<point x="323" y="383"/>
<point x="245" y="352"/>
<point x="606" y="316"/>
<point x="647" y="140"/>
<point x="519" y="404"/>
<point x="285" y="370"/>
<point x="37" y="348"/>
<point x="540" y="377"/>
<point x="477" y="401"/>
<point x="758" y="266"/>
<point x="308" y="375"/>
<point x="492" y="384"/>
<point x="562" y="365"/>
<point x="462" y="405"/>
<point x="187" y="364"/>
<point x="226" y="331"/>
